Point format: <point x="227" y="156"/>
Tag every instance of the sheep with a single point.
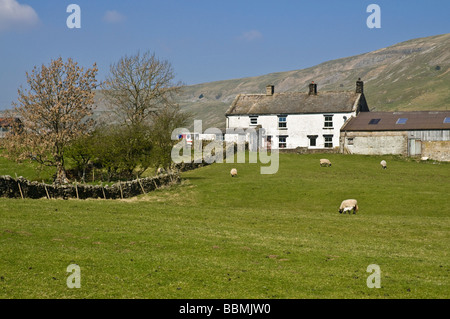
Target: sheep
<point x="161" y="171"/>
<point x="233" y="172"/>
<point x="325" y="162"/>
<point x="348" y="204"/>
<point x="383" y="164"/>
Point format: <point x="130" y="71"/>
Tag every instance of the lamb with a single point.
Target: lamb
<point x="383" y="164"/>
<point x="233" y="172"/>
<point x="348" y="204"/>
<point x="325" y="162"/>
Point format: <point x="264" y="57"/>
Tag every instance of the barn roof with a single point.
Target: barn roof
<point x="399" y="121"/>
<point x="8" y="121"/>
<point x="295" y="103"/>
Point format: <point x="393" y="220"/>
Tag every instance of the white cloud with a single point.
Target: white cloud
<point x="113" y="16"/>
<point x="14" y="15"/>
<point x="251" y="35"/>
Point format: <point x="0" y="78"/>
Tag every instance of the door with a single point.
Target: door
<point x="415" y="147"/>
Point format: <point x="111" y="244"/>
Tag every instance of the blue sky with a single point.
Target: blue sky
<point x="205" y="40"/>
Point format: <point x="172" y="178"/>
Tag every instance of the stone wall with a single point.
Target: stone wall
<point x="374" y="143"/>
<point x="20" y="187"/>
<point x="437" y="150"/>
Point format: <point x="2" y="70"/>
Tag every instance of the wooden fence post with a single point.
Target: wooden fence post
<point x="76" y="189"/>
<point x="121" y="193"/>
<point x="18" y="184"/>
<point x="46" y="191"/>
<point x="142" y="187"/>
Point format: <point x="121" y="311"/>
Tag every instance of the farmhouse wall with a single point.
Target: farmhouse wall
<point x="298" y="128"/>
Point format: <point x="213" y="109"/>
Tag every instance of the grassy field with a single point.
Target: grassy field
<point x="253" y="236"/>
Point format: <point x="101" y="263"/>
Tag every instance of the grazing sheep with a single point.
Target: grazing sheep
<point x="348" y="204"/>
<point x="233" y="172"/>
<point x="325" y="162"/>
<point x="424" y="158"/>
<point x="383" y="164"/>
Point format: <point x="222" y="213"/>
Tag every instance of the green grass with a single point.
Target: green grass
<point x="28" y="169"/>
<point x="253" y="236"/>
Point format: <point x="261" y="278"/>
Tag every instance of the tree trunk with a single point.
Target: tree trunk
<point x="61" y="177"/>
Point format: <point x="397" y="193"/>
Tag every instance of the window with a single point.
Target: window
<point x="328" y="140"/>
<point x="282" y="141"/>
<point x="282" y="122"/>
<point x="350" y="141"/>
<point x="374" y="121"/>
<point x="253" y="120"/>
<point x="447" y="120"/>
<point x="312" y="140"/>
<point x="401" y="121"/>
<point x="328" y="121"/>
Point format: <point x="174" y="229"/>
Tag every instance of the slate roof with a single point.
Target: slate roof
<point x="294" y="103"/>
<point x="387" y="121"/>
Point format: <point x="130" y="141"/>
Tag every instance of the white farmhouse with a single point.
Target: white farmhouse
<point x="295" y="119"/>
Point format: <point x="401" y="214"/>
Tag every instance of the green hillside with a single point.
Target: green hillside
<point x="412" y="75"/>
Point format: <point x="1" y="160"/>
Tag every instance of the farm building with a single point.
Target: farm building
<point x="420" y="133"/>
<point x="6" y="124"/>
<point x="290" y="120"/>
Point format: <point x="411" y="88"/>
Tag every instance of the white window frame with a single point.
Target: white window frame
<point x="325" y="137"/>
<point x="328" y="123"/>
<point x="285" y="137"/>
<point x="281" y="127"/>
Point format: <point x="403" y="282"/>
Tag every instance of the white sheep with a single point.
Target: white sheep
<point x="383" y="164"/>
<point x="233" y="172"/>
<point x="325" y="162"/>
<point x="348" y="204"/>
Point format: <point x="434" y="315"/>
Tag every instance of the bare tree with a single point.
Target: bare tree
<point x="54" y="110"/>
<point x="138" y="86"/>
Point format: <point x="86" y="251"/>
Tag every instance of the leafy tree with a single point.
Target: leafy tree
<point x="81" y="151"/>
<point x="122" y="150"/>
<point x="163" y="123"/>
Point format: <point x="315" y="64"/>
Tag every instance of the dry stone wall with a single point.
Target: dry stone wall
<point x="23" y="188"/>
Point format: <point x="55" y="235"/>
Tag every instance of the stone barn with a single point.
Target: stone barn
<point x="420" y="133"/>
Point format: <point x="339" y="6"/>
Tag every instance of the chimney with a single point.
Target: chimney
<point x="359" y="86"/>
<point x="270" y="89"/>
<point x="312" y="88"/>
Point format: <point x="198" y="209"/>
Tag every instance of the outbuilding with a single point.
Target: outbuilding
<point x="415" y="133"/>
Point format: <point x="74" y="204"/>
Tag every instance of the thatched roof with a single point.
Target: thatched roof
<point x="296" y="103"/>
